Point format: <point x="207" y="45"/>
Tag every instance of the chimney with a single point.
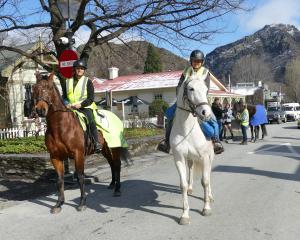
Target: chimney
<point x="113" y="72"/>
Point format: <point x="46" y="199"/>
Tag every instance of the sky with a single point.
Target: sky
<point x="238" y="25"/>
<point x="244" y="23"/>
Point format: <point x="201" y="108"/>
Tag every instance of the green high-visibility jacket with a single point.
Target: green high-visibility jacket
<point x="79" y="93"/>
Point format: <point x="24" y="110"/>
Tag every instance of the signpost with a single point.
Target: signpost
<point x="66" y="60"/>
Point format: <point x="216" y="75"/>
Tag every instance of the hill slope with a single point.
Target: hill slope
<point x="129" y="59"/>
<point x="275" y="44"/>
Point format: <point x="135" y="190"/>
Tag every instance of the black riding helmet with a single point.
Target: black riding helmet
<point x="80" y="63"/>
<point x="197" y="55"/>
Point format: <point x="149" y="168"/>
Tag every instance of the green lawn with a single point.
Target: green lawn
<point x="37" y="145"/>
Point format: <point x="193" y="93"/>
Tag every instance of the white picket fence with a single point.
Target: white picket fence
<point x="20" y="132"/>
<point x="142" y="123"/>
<point x="31" y="130"/>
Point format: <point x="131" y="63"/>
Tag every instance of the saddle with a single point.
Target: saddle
<point x="108" y="123"/>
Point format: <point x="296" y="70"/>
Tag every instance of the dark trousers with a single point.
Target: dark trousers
<point x="244" y="132"/>
<point x="168" y="130"/>
<point x="89" y="113"/>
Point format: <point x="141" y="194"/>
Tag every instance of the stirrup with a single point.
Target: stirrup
<point x="163" y="147"/>
<point x="97" y="148"/>
<point x="218" y="147"/>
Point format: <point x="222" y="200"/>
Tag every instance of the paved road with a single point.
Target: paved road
<point x="256" y="190"/>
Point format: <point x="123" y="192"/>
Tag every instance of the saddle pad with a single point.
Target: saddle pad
<point x="111" y="127"/>
<point x="82" y="119"/>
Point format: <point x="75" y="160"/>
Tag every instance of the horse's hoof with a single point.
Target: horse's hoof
<point x="81" y="208"/>
<point x="184" y="221"/>
<point x="206" y="212"/>
<point x="117" y="194"/>
<point x="111" y="186"/>
<point x="55" y="210"/>
<point x="190" y="191"/>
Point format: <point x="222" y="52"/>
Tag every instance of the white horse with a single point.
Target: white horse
<point x="189" y="144"/>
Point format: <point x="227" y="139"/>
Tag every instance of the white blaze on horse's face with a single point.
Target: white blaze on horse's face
<point x="197" y="96"/>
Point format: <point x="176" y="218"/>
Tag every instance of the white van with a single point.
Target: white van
<point x="292" y="111"/>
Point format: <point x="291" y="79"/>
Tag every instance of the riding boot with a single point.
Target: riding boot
<point x="218" y="147"/>
<point x="164" y="145"/>
<point x="97" y="145"/>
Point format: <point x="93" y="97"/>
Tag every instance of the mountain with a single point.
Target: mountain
<point x="129" y="58"/>
<point x="275" y="44"/>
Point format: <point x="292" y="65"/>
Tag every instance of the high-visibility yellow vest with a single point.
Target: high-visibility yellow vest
<point x="79" y="93"/>
<point x="189" y="71"/>
<point x="245" y="118"/>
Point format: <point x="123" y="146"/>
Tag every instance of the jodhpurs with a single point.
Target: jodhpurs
<point x="89" y="113"/>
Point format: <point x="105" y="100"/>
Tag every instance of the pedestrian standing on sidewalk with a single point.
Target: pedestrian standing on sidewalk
<point x="226" y="119"/>
<point x="244" y="118"/>
<point x="218" y="112"/>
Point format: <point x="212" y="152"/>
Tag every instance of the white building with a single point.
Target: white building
<point x="15" y="72"/>
<point x="152" y="86"/>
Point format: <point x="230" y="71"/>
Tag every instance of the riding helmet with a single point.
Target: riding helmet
<point x="80" y="63"/>
<point x="197" y="55"/>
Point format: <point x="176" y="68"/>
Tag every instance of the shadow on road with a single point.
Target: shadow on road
<point x="137" y="195"/>
<point x="250" y="170"/>
<point x="292" y="138"/>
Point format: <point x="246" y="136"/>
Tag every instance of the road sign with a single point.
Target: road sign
<point x="66" y="60"/>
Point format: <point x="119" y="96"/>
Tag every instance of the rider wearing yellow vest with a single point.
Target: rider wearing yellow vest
<point x="78" y="93"/>
<point x="209" y="128"/>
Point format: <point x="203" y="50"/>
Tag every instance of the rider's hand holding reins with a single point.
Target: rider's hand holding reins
<point x="76" y="105"/>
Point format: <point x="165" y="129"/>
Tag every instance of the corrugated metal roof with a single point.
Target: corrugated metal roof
<point x="141" y="81"/>
<point x="153" y="81"/>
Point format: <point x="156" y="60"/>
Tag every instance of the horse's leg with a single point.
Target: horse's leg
<point x="211" y="158"/>
<point x="180" y="164"/>
<point x="117" y="171"/>
<point x="205" y="181"/>
<point x="262" y="126"/>
<point x="79" y="166"/>
<point x="251" y="130"/>
<point x="191" y="176"/>
<point x="59" y="168"/>
<point x="113" y="157"/>
<point x="113" y="177"/>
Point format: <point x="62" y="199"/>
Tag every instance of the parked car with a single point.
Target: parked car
<point x="276" y="114"/>
<point x="291" y="113"/>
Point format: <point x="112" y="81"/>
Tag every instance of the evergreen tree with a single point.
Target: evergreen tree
<point x="152" y="63"/>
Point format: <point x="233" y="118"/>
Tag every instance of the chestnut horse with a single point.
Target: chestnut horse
<point x="65" y="139"/>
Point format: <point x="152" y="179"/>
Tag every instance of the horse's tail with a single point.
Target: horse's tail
<point x="125" y="156"/>
<point x="264" y="129"/>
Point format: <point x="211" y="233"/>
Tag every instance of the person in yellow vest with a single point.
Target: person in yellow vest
<point x="209" y="128"/>
<point x="78" y="93"/>
<point x="244" y="118"/>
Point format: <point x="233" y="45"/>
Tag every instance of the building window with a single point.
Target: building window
<point x="158" y="96"/>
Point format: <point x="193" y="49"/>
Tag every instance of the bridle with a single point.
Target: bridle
<point x="192" y="106"/>
<point x="49" y="103"/>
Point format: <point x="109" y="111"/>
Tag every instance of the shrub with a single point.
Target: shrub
<point x="157" y="107"/>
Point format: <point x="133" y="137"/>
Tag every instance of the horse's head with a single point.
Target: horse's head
<point x="43" y="94"/>
<point x="195" y="95"/>
<point x="238" y="107"/>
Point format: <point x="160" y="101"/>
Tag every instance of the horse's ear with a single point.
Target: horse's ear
<point x="38" y="76"/>
<point x="50" y="78"/>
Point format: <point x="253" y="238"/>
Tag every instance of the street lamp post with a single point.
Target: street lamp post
<point x="69" y="12"/>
